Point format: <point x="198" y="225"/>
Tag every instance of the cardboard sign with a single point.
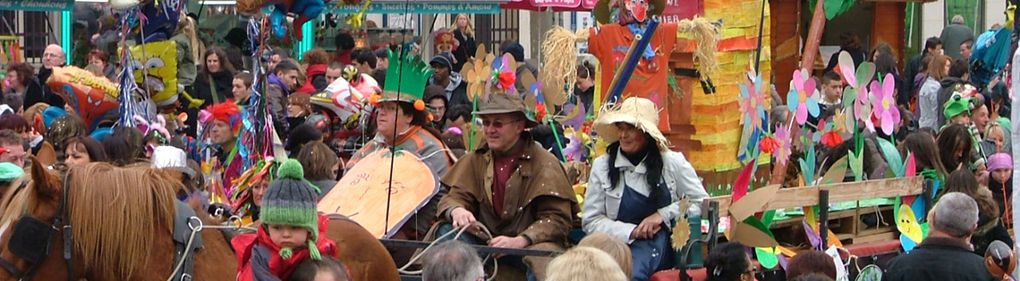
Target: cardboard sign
<point x="363" y="192"/>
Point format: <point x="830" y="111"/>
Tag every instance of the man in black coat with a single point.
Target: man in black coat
<point x="53" y="56"/>
<point x="946" y="254"/>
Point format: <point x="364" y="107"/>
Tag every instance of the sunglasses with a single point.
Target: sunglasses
<point x="498" y="124"/>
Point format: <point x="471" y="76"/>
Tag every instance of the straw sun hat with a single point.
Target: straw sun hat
<point x="639" y="112"/>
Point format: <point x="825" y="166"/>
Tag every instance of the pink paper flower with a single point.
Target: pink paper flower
<point x="752" y="102"/>
<point x="884" y="104"/>
<point x="782" y="136"/>
<point x="801" y="97"/>
<point x="862" y="108"/>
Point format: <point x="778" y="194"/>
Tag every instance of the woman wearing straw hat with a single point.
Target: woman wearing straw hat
<point x="635" y="189"/>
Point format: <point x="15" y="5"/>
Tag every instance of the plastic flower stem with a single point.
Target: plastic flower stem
<point x="559" y="143"/>
<point x="471" y="133"/>
<point x="631" y="61"/>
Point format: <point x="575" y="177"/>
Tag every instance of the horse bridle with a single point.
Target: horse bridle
<point x="39" y="236"/>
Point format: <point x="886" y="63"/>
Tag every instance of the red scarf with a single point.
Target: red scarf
<point x="244" y="246"/>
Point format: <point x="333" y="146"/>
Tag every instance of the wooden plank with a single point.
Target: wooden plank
<point x="878" y="237"/>
<point x="902" y="1"/>
<point x="842" y="192"/>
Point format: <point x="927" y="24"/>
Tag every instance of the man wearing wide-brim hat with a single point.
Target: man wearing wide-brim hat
<point x="512" y="186"/>
<point x="634" y="191"/>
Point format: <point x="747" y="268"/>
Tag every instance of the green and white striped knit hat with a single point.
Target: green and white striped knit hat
<point x="291" y="200"/>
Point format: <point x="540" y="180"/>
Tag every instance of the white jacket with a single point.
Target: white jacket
<point x="928" y="102"/>
<point x="602" y="201"/>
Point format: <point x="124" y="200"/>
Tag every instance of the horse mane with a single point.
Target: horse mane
<point x="15" y="201"/>
<point x="115" y="212"/>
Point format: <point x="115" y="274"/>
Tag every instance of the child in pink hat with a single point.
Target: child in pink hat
<point x="1000" y="165"/>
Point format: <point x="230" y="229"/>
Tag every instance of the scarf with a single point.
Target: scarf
<point x="245" y="246"/>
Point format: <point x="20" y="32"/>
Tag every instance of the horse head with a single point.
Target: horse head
<point x="30" y="238"/>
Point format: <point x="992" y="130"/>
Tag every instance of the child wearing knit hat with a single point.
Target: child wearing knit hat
<point x="1000" y="182"/>
<point x="292" y="230"/>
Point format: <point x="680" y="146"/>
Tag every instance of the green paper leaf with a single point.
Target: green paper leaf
<point x="833" y="8"/>
<point x="767" y="217"/>
<point x="757" y="224"/>
<point x="836" y="172"/>
<point x="865" y="72"/>
<point x="766" y="258"/>
<point x="807" y="166"/>
<point x="856" y="165"/>
<point x="892" y="156"/>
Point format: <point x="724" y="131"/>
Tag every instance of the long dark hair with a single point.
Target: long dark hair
<point x="90" y="146"/>
<point x="964" y="181"/>
<point x="926" y="153"/>
<point x="653" y="163"/>
<point x="952" y="138"/>
<point x="225" y="64"/>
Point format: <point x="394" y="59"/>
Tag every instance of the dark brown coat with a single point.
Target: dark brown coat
<point x="539" y="202"/>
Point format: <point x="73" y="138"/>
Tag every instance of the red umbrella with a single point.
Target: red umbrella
<point x="556" y="5"/>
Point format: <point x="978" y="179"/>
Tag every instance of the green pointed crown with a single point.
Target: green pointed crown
<point x="406" y="78"/>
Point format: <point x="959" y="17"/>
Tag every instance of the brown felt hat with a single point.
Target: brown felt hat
<point x="498" y="103"/>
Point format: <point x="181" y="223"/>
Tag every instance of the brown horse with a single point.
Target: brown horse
<point x="122" y="229"/>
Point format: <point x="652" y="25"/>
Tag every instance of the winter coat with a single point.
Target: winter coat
<point x="989" y="229"/>
<point x="942" y="259"/>
<point x="539" y="203"/>
<point x="315" y="79"/>
<point x="456" y="91"/>
<point x="258" y="258"/>
<point x="213" y="87"/>
<point x="36" y="91"/>
<point x="276" y="99"/>
<point x="466" y="50"/>
<point x="952" y="36"/>
<point x="928" y="104"/>
<point x="602" y="199"/>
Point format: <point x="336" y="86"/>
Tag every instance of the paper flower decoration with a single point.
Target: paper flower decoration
<point x="911" y="232"/>
<point x="832" y="139"/>
<point x="158" y="126"/>
<point x="579" y="145"/>
<point x="503" y="73"/>
<point x="768" y="145"/>
<point x="801" y="97"/>
<point x="863" y="110"/>
<point x="575" y="115"/>
<point x="858" y="78"/>
<point x="752" y="102"/>
<point x="476" y="71"/>
<point x="783" y="147"/>
<point x="884" y="104"/>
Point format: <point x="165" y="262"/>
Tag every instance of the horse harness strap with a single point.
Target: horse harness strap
<point x="31" y="238"/>
<point x="187" y="240"/>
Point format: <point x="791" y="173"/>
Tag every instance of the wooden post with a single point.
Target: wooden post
<point x="814" y="38"/>
<point x="823" y="218"/>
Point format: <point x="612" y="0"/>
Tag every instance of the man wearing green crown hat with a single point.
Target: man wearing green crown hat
<point x="512" y="186"/>
<point x="401" y="121"/>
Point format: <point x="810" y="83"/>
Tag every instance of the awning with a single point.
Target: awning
<point x="424" y="7"/>
<point x="37" y="5"/>
<point x="555" y="5"/>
